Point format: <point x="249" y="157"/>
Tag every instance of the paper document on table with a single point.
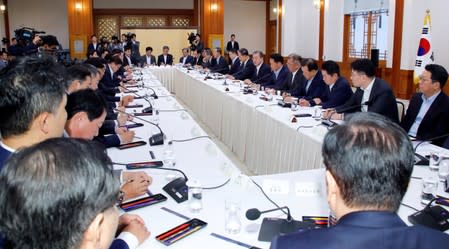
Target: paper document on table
<point x="276" y="187"/>
<point x="308" y="189"/>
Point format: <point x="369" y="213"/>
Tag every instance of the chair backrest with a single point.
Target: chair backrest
<point x="401" y="110"/>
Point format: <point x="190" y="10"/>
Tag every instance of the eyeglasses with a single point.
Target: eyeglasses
<point x="421" y="78"/>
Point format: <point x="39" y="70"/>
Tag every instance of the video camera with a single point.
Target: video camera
<point x="26" y="34"/>
<point x="191" y="39"/>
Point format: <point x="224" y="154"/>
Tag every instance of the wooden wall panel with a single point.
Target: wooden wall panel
<point x="212" y="20"/>
<point x="80" y="25"/>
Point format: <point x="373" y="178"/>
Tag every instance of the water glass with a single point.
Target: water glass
<point x="294" y="104"/>
<point x="317" y="113"/>
<point x="434" y="160"/>
<point x="429" y="188"/>
<point x="443" y="168"/>
<point x="155" y="117"/>
<point x="195" y="196"/>
<point x="233" y="223"/>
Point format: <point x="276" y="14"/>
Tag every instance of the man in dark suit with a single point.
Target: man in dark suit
<point x="280" y="72"/>
<point x="247" y="68"/>
<point x="135" y="46"/>
<point x="43" y="81"/>
<point x="295" y="77"/>
<point x="220" y="65"/>
<point x="60" y="173"/>
<point x="363" y="191"/>
<point x="93" y="46"/>
<point x="262" y="75"/>
<point x="148" y="59"/>
<point x="128" y="59"/>
<point x="208" y="61"/>
<point x="232" y="44"/>
<point x="336" y="91"/>
<point x="313" y="86"/>
<point x="428" y="112"/>
<point x="165" y="58"/>
<point x="234" y="61"/>
<point x="372" y="94"/>
<point x="197" y="58"/>
<point x="186" y="58"/>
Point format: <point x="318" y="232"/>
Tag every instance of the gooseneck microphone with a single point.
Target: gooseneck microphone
<point x="148" y="109"/>
<point x="272" y="227"/>
<point x="262" y="78"/>
<point x="420" y="159"/>
<point x="254" y="213"/>
<point x="328" y="122"/>
<point x="156" y="139"/>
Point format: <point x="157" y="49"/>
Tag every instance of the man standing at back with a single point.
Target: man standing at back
<point x="369" y="161"/>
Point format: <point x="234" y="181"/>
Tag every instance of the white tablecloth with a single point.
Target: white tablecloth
<point x="260" y="133"/>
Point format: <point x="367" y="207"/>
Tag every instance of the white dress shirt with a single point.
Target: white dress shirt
<point x="366" y="95"/>
<point x="426" y="103"/>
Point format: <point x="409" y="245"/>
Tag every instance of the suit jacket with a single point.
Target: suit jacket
<point x="292" y="87"/>
<point x="220" y="67"/>
<point x="160" y="59"/>
<point x="91" y="49"/>
<point x="315" y="90"/>
<point x="381" y="100"/>
<point x="246" y="71"/>
<point x="143" y="60"/>
<point x="119" y="244"/>
<point x="126" y="63"/>
<point x="276" y="83"/>
<point x="229" y="46"/>
<point x="446" y="144"/>
<point x="365" y="230"/>
<point x="264" y="76"/>
<point x="135" y="50"/>
<point x="189" y="60"/>
<point x="108" y="141"/>
<point x="4" y="154"/>
<point x="198" y="60"/>
<point x="235" y="67"/>
<point x="436" y="120"/>
<point x="341" y="91"/>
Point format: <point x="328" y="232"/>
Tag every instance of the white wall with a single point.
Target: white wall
<point x="245" y="19"/>
<point x="2" y="26"/>
<point x="333" y="30"/>
<point x="43" y="15"/>
<point x="414" y="12"/>
<point x="300" y="28"/>
<point x="365" y="5"/>
<point x="143" y="4"/>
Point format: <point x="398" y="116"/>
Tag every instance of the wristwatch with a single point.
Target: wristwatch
<point x="121" y="196"/>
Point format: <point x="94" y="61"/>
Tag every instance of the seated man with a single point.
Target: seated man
<point x="69" y="199"/>
<point x="337" y="89"/>
<point x="247" y="68"/>
<point x="148" y="59"/>
<point x="38" y="116"/>
<point x="372" y="94"/>
<point x="78" y="77"/>
<point x="313" y="86"/>
<point x="280" y="72"/>
<point x="86" y="111"/>
<point x="208" y="61"/>
<point x="197" y="58"/>
<point x="295" y="77"/>
<point x="186" y="58"/>
<point x="262" y="75"/>
<point x="220" y="64"/>
<point x="369" y="161"/>
<point x="234" y="61"/>
<point x="165" y="58"/>
<point x="128" y="59"/>
<point x="427" y="115"/>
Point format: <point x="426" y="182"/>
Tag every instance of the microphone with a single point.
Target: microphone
<point x="148" y="109"/>
<point x="353" y="107"/>
<point x="434" y="217"/>
<point x="156" y="139"/>
<point x="262" y="78"/>
<point x="254" y="213"/>
<point x="328" y="122"/>
<point x="272" y="227"/>
<point x="423" y="160"/>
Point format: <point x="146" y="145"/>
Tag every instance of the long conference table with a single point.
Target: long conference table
<point x="260" y="133"/>
<point x="303" y="191"/>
